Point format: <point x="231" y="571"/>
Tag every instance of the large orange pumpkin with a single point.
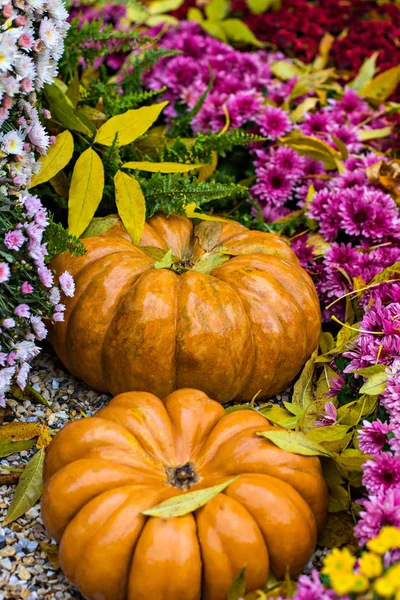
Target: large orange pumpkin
<point x="245" y="327"/>
<point x="100" y="474"/>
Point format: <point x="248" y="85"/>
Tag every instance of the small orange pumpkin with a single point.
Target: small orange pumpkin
<point x="101" y="473"/>
<point x="245" y="327"/>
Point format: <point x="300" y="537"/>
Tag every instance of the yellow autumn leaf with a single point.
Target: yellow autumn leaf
<point x="383" y="85"/>
<point x="129" y="126"/>
<point x="163" y="167"/>
<point x="190" y="212"/>
<point x="131" y="204"/>
<point x="57" y="157"/>
<point x="86" y="191"/>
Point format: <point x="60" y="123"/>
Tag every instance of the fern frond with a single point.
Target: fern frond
<point x="58" y="240"/>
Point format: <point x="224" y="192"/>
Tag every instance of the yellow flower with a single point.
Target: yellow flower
<point x="384" y="587"/>
<point x="393" y="574"/>
<point x="388" y="539"/>
<point x="338" y="561"/>
<point x="370" y="564"/>
<point x="360" y="584"/>
<point x="342" y="582"/>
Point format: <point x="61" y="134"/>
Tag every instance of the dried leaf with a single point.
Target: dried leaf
<point x="86" y="191"/>
<point x="51" y="551"/>
<point x="44" y="438"/>
<point x="129" y="125"/>
<point x="29" y="393"/>
<point x="303" y="394"/>
<point x="278" y="415"/>
<point x="337" y="531"/>
<point x="190" y="212"/>
<point x="350" y="463"/>
<point x="57" y="157"/>
<point x="29" y="488"/>
<point x="9" y="478"/>
<point x="131" y="204"/>
<point x="7" y="448"/>
<point x="339" y="499"/>
<point x="294" y="441"/>
<point x="186" y="503"/>
<point x="16" y="431"/>
<point x="208" y="234"/>
<point x="375" y="385"/>
<point x="163" y="167"/>
<point x="238" y="587"/>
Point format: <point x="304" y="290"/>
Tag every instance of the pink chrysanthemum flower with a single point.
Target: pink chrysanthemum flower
<point x="382" y="473"/>
<point x="274" y="122"/>
<point x="379" y="510"/>
<point x="67" y="284"/>
<point x="373" y="436"/>
<point x="329" y="417"/>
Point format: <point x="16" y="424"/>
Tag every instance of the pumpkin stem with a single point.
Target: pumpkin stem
<point x="182" y="476"/>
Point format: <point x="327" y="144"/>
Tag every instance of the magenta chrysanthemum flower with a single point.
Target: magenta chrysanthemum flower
<point x="274" y="122"/>
<point x="288" y="161"/>
<point x="303" y="251"/>
<point x="329" y="417"/>
<point x="336" y="385"/>
<point x="379" y="510"/>
<point x="26" y="288"/>
<point x="311" y="588"/>
<point x="369" y="213"/>
<point x="373" y="436"/>
<point x="382" y="474"/>
<point x="272" y="185"/>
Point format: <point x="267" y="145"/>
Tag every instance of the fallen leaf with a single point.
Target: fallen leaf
<point x="7" y="448"/>
<point x="16" y="431"/>
<point x="338" y="531"/>
<point x="51" y="551"/>
<point x="29" y="488"/>
<point x="303" y="394"/>
<point x="295" y="442"/>
<point x="186" y="503"/>
<point x="375" y="385"/>
<point x="9" y="478"/>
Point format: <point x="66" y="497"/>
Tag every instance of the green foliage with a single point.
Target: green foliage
<point x="58" y="241"/>
<point x="173" y="192"/>
<point x="199" y="149"/>
<point x="91" y="41"/>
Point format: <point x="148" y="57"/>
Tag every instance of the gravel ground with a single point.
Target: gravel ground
<point x="25" y="570"/>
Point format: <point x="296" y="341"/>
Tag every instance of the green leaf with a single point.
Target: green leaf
<point x="210" y="261"/>
<point x="374" y="134"/>
<point x="85" y="192"/>
<point x="186" y="503"/>
<point x="329" y="433"/>
<point x="100" y="225"/>
<point x="131" y="205"/>
<point x="62" y="110"/>
<point x="294" y="441"/>
<point x="238" y="586"/>
<point x="375" y="385"/>
<point x="57" y="157"/>
<point x="7" y="447"/>
<point x="303" y="389"/>
<point x="258" y="7"/>
<point x="129" y="126"/>
<point x="159" y="7"/>
<point x="372" y="370"/>
<point x="365" y="74"/>
<point x="237" y="31"/>
<point x="278" y="415"/>
<point x="163" y="167"/>
<point x="29" y="488"/>
<point x="298" y="113"/>
<point x="216" y="10"/>
<point x="382" y="86"/>
<point x="166" y="262"/>
<point x="285" y="69"/>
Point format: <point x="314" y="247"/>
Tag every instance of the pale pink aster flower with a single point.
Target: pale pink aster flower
<point x="26" y="350"/>
<point x="3" y="357"/>
<point x="60" y="307"/>
<point x="11" y="358"/>
<point x="12" y="142"/>
<point x="67" y="284"/>
<point x="38" y="327"/>
<point x="22" y="376"/>
<point x="39" y="137"/>
<point x="8" y="323"/>
<point x="54" y="295"/>
<point x="4" y="272"/>
<point x="46" y="276"/>
<point x="6" y="376"/>
<point x="58" y="316"/>
<point x="373" y="436"/>
<point x="14" y="239"/>
<point x="22" y="310"/>
<point x="26" y="288"/>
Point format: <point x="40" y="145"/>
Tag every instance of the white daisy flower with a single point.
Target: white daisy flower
<point x="13" y="142"/>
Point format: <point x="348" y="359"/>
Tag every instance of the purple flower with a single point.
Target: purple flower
<point x="288" y="161"/>
<point x="379" y="510"/>
<point x="14" y="239"/>
<point x="243" y="107"/>
<point x="272" y="185"/>
<point x="26" y="288"/>
<point x="67" y="284"/>
<point x="32" y="204"/>
<point x="8" y="323"/>
<point x="46" y="276"/>
<point x="22" y="310"/>
<point x="329" y="417"/>
<point x="373" y="436"/>
<point x="38" y="327"/>
<point x="315" y="123"/>
<point x="274" y="122"/>
<point x="369" y="213"/>
<point x="58" y="316"/>
<point x="23" y="375"/>
<point x="382" y="473"/>
<point x="4" y="272"/>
